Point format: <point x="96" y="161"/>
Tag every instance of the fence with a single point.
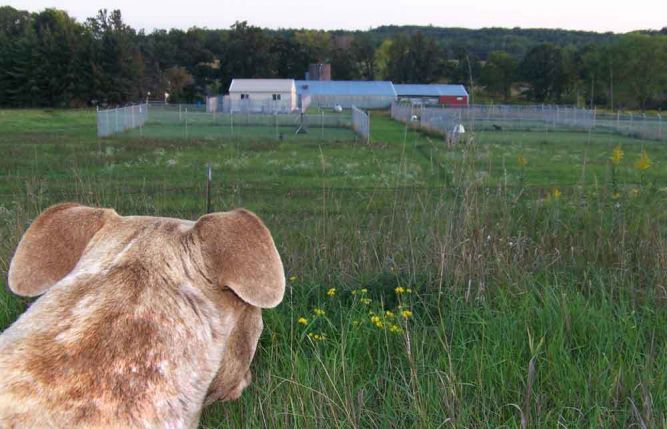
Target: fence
<point x="114" y="121"/>
<point x="536" y="117"/>
<point x="361" y="123"/>
<point x="225" y="104"/>
<point x="186" y="121"/>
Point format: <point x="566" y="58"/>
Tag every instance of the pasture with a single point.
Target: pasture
<point x="516" y="282"/>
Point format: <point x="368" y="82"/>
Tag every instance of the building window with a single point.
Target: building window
<point x="276" y="97"/>
<point x="245" y="96"/>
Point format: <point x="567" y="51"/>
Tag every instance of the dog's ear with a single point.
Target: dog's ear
<point x="239" y="253"/>
<point x="52" y="246"/>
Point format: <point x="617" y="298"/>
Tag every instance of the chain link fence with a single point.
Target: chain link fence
<point x="361" y="123"/>
<point x="533" y="117"/>
<point x="195" y="121"/>
<point x="118" y="120"/>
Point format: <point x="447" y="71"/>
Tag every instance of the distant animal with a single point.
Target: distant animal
<point x="497" y="127"/>
<point x="141" y="321"/>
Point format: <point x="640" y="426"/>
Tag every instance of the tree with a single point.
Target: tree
<point x="414" y="59"/>
<point x="363" y="50"/>
<point x="178" y="79"/>
<point x="543" y="69"/>
<point x="499" y="73"/>
<point x="290" y="58"/>
<point x="116" y="61"/>
<point x="642" y="69"/>
<point x="246" y="55"/>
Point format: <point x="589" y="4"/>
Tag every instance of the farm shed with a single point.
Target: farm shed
<point x="450" y="95"/>
<point x="363" y="94"/>
<point x="262" y="95"/>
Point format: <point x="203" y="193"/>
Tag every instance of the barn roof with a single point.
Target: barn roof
<point x="429" y="90"/>
<point x="261" y="85"/>
<point x="346" y="87"/>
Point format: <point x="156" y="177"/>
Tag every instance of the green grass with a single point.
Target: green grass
<point x="529" y="306"/>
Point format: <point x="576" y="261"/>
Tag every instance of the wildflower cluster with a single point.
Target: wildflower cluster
<point x="521" y="160"/>
<point x="616" y="155"/>
<point x="317" y="337"/>
<point x="644" y="162"/>
<point x="393" y="321"/>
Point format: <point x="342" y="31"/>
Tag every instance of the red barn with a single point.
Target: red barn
<point x="448" y="95"/>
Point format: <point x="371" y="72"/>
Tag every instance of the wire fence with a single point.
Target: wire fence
<point x="533" y="117"/>
<point x="361" y="123"/>
<point x="118" y="120"/>
<point x="196" y="121"/>
<point x="226" y="104"/>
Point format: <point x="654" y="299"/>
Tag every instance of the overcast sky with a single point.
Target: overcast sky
<point x="607" y="15"/>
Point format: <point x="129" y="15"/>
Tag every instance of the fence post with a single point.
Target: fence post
<point x="180" y="115"/>
<point x="659" y="126"/>
<point x="322" y="124"/>
<point x="186" y="122"/>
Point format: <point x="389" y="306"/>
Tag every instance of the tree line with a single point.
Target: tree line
<point x="50" y="59"/>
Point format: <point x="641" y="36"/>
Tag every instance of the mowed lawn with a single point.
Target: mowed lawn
<point x="519" y="280"/>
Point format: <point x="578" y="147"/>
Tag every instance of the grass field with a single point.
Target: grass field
<point x="524" y="275"/>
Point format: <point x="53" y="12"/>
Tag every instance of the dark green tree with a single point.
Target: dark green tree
<point x="499" y="73"/>
<point x="543" y="68"/>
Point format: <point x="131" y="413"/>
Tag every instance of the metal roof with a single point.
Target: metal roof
<point x="430" y="90"/>
<point x="346" y="87"/>
<point x="261" y="85"/>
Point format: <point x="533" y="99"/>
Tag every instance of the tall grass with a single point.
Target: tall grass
<point x="530" y="306"/>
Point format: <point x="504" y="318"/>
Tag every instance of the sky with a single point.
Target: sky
<point x="601" y="16"/>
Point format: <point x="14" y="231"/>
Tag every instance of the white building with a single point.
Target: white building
<point x="262" y="95"/>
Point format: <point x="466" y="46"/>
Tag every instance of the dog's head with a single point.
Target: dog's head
<point x="228" y="258"/>
<point x="237" y="250"/>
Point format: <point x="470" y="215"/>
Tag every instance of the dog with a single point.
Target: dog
<point x="141" y="322"/>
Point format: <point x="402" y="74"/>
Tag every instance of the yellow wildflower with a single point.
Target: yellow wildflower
<point x="360" y="291"/>
<point x="406" y="314"/>
<point x="408" y="290"/>
<point x="521" y="160"/>
<point x="292" y="278"/>
<point x="365" y="301"/>
<point x="616" y="155"/>
<point x="395" y="329"/>
<point x="399" y="290"/>
<point x="377" y="321"/>
<point x="555" y="193"/>
<point x="317" y="337"/>
<point x="615" y="195"/>
<point x="331" y="292"/>
<point x="389" y="314"/>
<point x="319" y="312"/>
<point x="644" y="162"/>
<point x="634" y="192"/>
<point x="302" y="321"/>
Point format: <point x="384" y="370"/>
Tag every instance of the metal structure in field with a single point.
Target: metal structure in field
<point x="118" y="120"/>
<point x="532" y="117"/>
<point x="184" y="121"/>
<point x="361" y="123"/>
<point x="362" y="94"/>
